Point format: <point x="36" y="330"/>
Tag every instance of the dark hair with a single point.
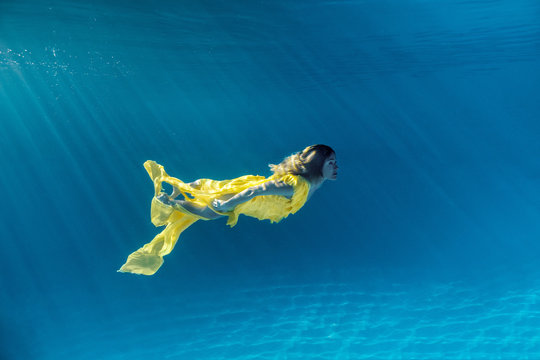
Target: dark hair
<point x="308" y="162"/>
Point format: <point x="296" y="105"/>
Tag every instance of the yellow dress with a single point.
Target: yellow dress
<point x="148" y="259"/>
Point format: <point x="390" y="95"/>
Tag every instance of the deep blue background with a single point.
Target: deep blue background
<point x="431" y="106"/>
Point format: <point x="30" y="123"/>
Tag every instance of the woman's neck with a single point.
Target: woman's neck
<point x="314" y="185"/>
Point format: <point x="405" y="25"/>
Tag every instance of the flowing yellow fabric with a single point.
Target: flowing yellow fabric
<point x="148" y="259"/>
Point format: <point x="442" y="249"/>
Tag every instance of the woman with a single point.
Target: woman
<point x="293" y="182"/>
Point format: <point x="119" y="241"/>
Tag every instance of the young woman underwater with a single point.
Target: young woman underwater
<point x="293" y="182"/>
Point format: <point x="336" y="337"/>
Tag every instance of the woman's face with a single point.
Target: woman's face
<point x="329" y="170"/>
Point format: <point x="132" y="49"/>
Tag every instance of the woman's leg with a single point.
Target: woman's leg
<point x="203" y="211"/>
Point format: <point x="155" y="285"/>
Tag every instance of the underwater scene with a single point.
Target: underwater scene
<point x="425" y="246"/>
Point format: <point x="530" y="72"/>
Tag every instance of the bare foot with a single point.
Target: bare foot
<point x="175" y="192"/>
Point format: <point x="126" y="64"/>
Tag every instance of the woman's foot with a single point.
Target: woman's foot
<point x="164" y="198"/>
<point x="175" y="192"/>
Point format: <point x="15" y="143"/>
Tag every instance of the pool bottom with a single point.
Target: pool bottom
<point x="320" y="321"/>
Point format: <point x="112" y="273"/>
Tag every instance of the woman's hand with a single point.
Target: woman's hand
<point x="221" y="205"/>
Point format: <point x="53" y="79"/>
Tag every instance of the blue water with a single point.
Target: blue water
<point x="426" y="247"/>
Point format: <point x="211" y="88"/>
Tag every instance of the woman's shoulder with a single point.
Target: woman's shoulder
<point x="300" y="186"/>
<point x="291" y="179"/>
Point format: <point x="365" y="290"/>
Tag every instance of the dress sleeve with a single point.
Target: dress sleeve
<point x="273" y="207"/>
<point x="301" y="191"/>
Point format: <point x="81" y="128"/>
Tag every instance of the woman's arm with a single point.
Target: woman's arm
<point x="268" y="188"/>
